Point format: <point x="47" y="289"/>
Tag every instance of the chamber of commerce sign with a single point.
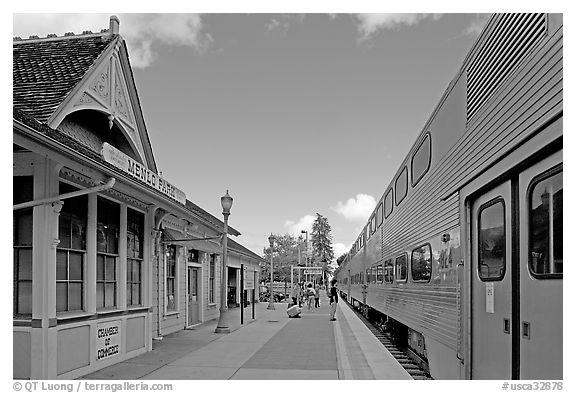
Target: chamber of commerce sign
<point x="107" y="340"/>
<point x="140" y="172"/>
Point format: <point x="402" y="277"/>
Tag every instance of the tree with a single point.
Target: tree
<point x="285" y="255"/>
<point x="322" y="244"/>
<point x="341" y="259"/>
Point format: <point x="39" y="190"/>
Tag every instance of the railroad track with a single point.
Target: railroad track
<point x="411" y="366"/>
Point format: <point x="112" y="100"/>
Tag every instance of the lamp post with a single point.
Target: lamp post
<point x="222" y="326"/>
<point x="306" y="247"/>
<point x="271" y="304"/>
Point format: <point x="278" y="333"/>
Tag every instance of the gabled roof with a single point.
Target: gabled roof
<point x="45" y="71"/>
<point x="235" y="246"/>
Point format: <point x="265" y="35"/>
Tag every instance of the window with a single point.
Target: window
<point x="107" y="229"/>
<point x="546" y="230"/>
<point x="368" y="231"/>
<point x="373" y="274"/>
<point x="171" y="278"/>
<point x="212" y="271"/>
<point x="491" y="241"/>
<point x="388" y="203"/>
<point x="421" y="160"/>
<point x="379" y="276"/>
<point x="23" y="191"/>
<point x="134" y="257"/>
<point x="388" y="271"/>
<point x="71" y="252"/>
<point x="422" y="263"/>
<point x="401" y="186"/>
<point x="368" y="276"/>
<point x="401" y="268"/>
<point x="373" y="223"/>
<point x="361" y="277"/>
<point x="193" y="255"/>
<point x="379" y="215"/>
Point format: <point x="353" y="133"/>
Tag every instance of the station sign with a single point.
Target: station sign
<point x="138" y="171"/>
<point x="108" y="340"/>
<point x="248" y="279"/>
<point x="317" y="270"/>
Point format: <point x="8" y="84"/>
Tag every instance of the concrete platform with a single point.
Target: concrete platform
<point x="269" y="347"/>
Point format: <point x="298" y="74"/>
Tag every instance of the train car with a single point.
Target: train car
<point x="462" y="257"/>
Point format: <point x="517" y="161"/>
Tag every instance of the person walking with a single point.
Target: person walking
<point x="311" y="293"/>
<point x="317" y="296"/>
<point x="333" y="299"/>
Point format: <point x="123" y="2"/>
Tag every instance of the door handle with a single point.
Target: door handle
<point x="507" y="325"/>
<point x="526" y="330"/>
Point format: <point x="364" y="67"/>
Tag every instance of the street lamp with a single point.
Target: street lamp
<point x="306" y="254"/>
<point x="222" y="326"/>
<point x="271" y="304"/>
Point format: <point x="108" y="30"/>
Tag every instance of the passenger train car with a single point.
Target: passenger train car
<point x="462" y="257"/>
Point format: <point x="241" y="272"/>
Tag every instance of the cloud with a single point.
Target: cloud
<point x="305" y="223"/>
<point x="358" y="209"/>
<point x="339" y="249"/>
<point x="477" y="24"/>
<point x="144" y="33"/>
<point x="369" y="24"/>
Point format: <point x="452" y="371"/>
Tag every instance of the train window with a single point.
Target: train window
<point x="379" y="215"/>
<point x="388" y="271"/>
<point x="368" y="276"/>
<point x="373" y="274"/>
<point x="401" y="268"/>
<point x="491" y="241"/>
<point x="379" y="276"/>
<point x="388" y="203"/>
<point x="361" y="278"/>
<point x="545" y="231"/>
<point x="421" y="160"/>
<point x="368" y="232"/>
<point x="421" y="263"/>
<point x="373" y="223"/>
<point x="401" y="186"/>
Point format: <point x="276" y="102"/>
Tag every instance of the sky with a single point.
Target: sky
<point x="294" y="114"/>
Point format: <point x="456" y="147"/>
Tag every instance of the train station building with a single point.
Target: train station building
<point x="108" y="255"/>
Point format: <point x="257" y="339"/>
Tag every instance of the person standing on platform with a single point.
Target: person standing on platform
<point x="296" y="294"/>
<point x="333" y="299"/>
<point x="317" y="296"/>
<point x="311" y="295"/>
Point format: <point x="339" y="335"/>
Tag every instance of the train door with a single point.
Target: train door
<point x="516" y="275"/>
<point x="492" y="284"/>
<point x="541" y="269"/>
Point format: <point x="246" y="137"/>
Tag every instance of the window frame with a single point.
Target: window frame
<point x="558" y="169"/>
<point x="21" y="197"/>
<point x="415" y="181"/>
<point x="389" y="262"/>
<point x="405" y="256"/>
<point x="391" y="192"/>
<point x="174" y="279"/>
<point x="380" y="273"/>
<point x="483" y="207"/>
<point x="380" y="215"/>
<point x="131" y="260"/>
<point x="108" y="254"/>
<point x="62" y="248"/>
<point x="211" y="278"/>
<point x="399" y="200"/>
<point x="412" y="262"/>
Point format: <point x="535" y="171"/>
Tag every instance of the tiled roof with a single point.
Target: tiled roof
<point x="46" y="70"/>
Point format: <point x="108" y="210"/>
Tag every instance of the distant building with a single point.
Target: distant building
<point x="107" y="253"/>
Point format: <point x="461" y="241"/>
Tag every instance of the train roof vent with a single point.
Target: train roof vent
<point x="504" y="47"/>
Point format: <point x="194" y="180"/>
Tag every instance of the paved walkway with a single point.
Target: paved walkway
<point x="272" y="346"/>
